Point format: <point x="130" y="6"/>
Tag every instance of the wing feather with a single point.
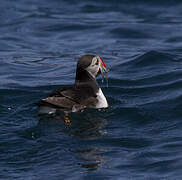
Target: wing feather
<point x="61" y="102"/>
<point x="71" y="97"/>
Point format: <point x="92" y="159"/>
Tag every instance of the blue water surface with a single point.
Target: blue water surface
<point x="139" y="136"/>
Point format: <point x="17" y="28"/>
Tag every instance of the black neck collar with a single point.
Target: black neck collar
<point x="84" y="77"/>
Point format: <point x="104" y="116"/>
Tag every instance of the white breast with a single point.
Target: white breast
<point x="102" y="102"/>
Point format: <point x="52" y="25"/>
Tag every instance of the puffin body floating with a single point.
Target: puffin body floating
<point x="84" y="93"/>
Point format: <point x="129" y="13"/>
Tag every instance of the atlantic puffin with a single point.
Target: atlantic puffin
<point x="84" y="93"/>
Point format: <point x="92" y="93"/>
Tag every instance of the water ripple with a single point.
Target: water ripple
<point x="138" y="136"/>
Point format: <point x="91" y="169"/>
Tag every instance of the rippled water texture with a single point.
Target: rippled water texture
<point x="138" y="136"/>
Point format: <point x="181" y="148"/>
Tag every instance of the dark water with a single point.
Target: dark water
<point x="138" y="136"/>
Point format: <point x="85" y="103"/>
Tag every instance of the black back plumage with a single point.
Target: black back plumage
<point x="80" y="95"/>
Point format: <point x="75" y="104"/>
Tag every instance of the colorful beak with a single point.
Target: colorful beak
<point x="103" y="66"/>
<point x="104" y="70"/>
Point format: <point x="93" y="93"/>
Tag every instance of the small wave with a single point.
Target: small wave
<point x="71" y="27"/>
<point x="153" y="58"/>
<point x="129" y="33"/>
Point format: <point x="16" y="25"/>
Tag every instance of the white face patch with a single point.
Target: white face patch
<point x="94" y="66"/>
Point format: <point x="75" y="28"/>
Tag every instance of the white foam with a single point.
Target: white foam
<point x="46" y="110"/>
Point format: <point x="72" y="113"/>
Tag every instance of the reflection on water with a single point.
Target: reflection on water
<point x="87" y="125"/>
<point x="91" y="158"/>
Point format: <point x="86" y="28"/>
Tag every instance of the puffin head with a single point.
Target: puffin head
<point x="92" y="64"/>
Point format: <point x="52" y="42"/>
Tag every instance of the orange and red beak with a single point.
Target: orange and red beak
<point x="103" y="70"/>
<point x="103" y="67"/>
